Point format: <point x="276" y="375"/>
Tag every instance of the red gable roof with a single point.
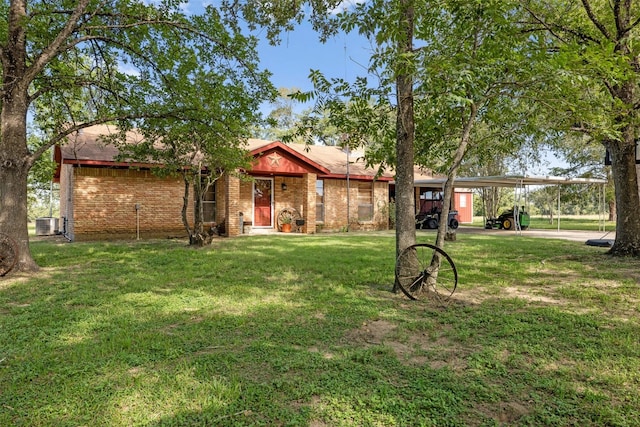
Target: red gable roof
<point x="271" y="157"/>
<point x="277" y="157"/>
<point x="329" y="161"/>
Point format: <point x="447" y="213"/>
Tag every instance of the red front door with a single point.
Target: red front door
<point x="262" y="195"/>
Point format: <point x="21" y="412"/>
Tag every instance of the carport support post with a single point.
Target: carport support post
<point x="602" y="214"/>
<point x="558" y="209"/>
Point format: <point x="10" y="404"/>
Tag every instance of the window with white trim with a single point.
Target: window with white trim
<point x="209" y="203"/>
<point x="319" y="200"/>
<point x="365" y="201"/>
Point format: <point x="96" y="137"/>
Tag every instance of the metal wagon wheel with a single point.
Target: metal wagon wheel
<point x="8" y="254"/>
<point x="424" y="269"/>
<point x="288" y="216"/>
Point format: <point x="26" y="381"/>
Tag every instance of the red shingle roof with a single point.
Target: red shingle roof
<point x="89" y="147"/>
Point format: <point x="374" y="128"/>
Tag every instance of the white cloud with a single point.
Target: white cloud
<point x="129" y="69"/>
<point x="346" y="5"/>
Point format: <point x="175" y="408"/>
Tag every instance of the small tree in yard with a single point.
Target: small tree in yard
<point x="202" y="143"/>
<point x="127" y="62"/>
<point x="442" y="68"/>
<point x="198" y="158"/>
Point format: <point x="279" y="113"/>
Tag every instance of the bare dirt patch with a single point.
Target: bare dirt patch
<point x="529" y="295"/>
<point x="16" y="277"/>
<point x="417" y="348"/>
<point x="505" y="413"/>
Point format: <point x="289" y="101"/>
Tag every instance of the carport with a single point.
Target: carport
<point x="520" y="183"/>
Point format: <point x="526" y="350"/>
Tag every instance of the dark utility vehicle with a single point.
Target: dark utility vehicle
<point x="432" y="220"/>
<point x="431" y="211"/>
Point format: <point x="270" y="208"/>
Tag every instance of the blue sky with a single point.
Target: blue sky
<point x="345" y="56"/>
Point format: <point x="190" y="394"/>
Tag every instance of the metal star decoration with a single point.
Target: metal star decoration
<point x="274" y="159"/>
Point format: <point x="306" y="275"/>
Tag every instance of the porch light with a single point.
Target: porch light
<point x="284" y="186"/>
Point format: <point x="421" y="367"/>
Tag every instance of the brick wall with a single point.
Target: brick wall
<point x="232" y="197"/>
<point x="104" y="204"/>
<point x="309" y="202"/>
<point x="335" y="206"/>
<point x="221" y="206"/>
<point x="246" y="200"/>
<point x="292" y="197"/>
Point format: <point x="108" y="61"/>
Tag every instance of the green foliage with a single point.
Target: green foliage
<point x="593" y="59"/>
<point x="354" y="116"/>
<point x="42" y="193"/>
<point x="157" y="333"/>
<point x="574" y="199"/>
<point x="277" y="16"/>
<point x="144" y="63"/>
<point x="466" y="53"/>
<point x="585" y="63"/>
<point x="282" y="122"/>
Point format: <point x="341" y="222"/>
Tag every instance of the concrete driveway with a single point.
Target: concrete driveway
<point x="576" y="235"/>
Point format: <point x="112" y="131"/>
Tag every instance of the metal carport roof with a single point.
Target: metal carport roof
<point x="507" y="181"/>
<point x="516" y="182"/>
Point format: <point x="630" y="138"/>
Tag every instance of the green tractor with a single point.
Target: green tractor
<point x="506" y="220"/>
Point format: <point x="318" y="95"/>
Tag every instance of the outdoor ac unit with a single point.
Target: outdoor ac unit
<point x="46" y="226"/>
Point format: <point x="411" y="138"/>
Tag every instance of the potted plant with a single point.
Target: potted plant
<point x="285" y="222"/>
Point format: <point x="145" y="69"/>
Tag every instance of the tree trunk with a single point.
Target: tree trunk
<point x="405" y="135"/>
<point x="460" y="152"/>
<point x="625" y="174"/>
<point x="198" y="227"/>
<point x="612" y="210"/>
<point x="15" y="159"/>
<point x="198" y="237"/>
<point x="13" y="203"/>
<point x="185" y="204"/>
<point x="627" y="200"/>
<point x="623" y="151"/>
<point x="491" y="202"/>
<point x="609" y="196"/>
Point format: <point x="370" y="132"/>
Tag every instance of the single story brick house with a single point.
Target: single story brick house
<point x="325" y="189"/>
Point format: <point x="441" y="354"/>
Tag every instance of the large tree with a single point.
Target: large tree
<point x="281" y="117"/>
<point x="119" y="60"/>
<point x="594" y="54"/>
<point x="442" y="68"/>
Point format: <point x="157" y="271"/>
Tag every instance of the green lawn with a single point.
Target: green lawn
<point x="304" y="331"/>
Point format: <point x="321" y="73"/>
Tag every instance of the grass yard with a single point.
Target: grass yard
<point x="304" y="331"/>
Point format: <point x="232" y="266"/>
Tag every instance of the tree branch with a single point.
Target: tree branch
<point x="53" y="49"/>
<point x="599" y="25"/>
